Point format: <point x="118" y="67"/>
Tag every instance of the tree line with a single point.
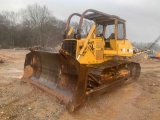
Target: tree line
<point x="35" y="25"/>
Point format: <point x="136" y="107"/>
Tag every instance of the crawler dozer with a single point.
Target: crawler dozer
<point x="90" y="62"/>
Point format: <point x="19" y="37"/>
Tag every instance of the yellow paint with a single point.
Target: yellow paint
<point x="70" y="31"/>
<point x="92" y="50"/>
<point x="88" y="38"/>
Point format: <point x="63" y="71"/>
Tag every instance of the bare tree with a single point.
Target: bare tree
<point x="34" y="25"/>
<point x="36" y="18"/>
<point x="12" y="19"/>
<point x="3" y="31"/>
<point x="86" y="26"/>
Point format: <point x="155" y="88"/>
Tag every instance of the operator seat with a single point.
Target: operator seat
<point x="107" y="41"/>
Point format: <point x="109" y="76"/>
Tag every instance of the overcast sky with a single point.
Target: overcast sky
<point x="142" y="16"/>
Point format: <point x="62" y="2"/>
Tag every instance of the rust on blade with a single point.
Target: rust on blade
<point x="60" y="97"/>
<point x="57" y="74"/>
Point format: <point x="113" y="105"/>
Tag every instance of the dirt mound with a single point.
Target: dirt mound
<point x="140" y="58"/>
<point x="2" y="60"/>
<point x="143" y="58"/>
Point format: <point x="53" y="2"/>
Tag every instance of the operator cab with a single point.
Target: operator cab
<point x="109" y="27"/>
<point x="101" y="32"/>
<point x="112" y="30"/>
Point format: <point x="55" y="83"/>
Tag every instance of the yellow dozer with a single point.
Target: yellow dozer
<point x="90" y="62"/>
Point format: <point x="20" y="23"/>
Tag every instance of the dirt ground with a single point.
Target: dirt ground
<point x="132" y="101"/>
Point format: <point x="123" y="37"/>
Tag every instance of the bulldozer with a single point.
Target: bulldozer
<point x="88" y="64"/>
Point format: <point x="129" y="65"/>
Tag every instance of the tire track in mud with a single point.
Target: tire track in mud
<point x="149" y="101"/>
<point x="25" y="105"/>
<point x="9" y="108"/>
<point x="17" y="100"/>
<point x="131" y="101"/>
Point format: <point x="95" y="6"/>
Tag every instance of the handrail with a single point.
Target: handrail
<point x="68" y="21"/>
<point x="89" y="10"/>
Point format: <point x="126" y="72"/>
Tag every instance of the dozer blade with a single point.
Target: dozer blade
<point x="58" y="74"/>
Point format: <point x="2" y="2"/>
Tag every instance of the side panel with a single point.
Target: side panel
<point x="120" y="48"/>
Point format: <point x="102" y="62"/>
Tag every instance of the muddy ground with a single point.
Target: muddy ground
<point x="132" y="101"/>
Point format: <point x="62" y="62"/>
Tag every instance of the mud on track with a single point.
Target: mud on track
<point x="131" y="101"/>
